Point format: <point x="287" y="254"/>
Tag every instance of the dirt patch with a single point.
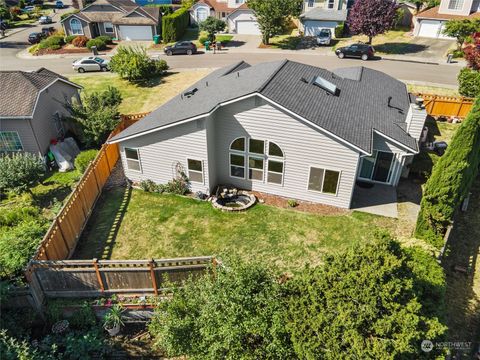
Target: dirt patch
<point x="304" y="206"/>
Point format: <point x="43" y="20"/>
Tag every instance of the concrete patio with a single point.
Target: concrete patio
<point x="379" y="200"/>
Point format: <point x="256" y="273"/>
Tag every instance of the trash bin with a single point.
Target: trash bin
<point x="94" y="50"/>
<point x="449" y="58"/>
<point x="207" y="45"/>
<point x="156" y="39"/>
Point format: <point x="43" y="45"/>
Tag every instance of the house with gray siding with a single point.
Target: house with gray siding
<point x="119" y="19"/>
<point x="32" y="108"/>
<point x="281" y="128"/>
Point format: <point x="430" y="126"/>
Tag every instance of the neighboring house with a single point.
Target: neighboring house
<point x="239" y="18"/>
<point x="323" y="14"/>
<point x="120" y="19"/>
<point x="409" y="10"/>
<point x="282" y="128"/>
<point x="32" y="108"/>
<point x="430" y="23"/>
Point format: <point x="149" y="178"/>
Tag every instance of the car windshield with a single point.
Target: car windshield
<point x="99" y="60"/>
<point x="324" y="33"/>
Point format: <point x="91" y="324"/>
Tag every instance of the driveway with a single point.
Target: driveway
<point x="244" y="43"/>
<point x="432" y="48"/>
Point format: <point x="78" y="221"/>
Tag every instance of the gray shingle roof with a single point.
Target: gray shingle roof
<point x="20" y="90"/>
<point x="360" y="107"/>
<point x="319" y="13"/>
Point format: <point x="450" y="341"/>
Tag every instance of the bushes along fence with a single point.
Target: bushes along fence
<point x="174" y="25"/>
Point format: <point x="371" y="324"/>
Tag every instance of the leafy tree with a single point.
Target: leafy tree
<point x="472" y="53"/>
<point x="212" y="26"/>
<point x="187" y="4"/>
<point x="469" y="82"/>
<point x="451" y="179"/>
<point x="361" y="305"/>
<point x="461" y="29"/>
<point x="4" y="12"/>
<point x="273" y="15"/>
<point x="237" y="314"/>
<point x="372" y="17"/>
<point x="134" y="64"/>
<point x="96" y="116"/>
<point x="20" y="171"/>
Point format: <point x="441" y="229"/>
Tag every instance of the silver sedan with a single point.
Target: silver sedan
<point x="91" y="63"/>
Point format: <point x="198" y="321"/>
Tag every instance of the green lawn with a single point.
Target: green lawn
<point x="434" y="90"/>
<point x="140" y="225"/>
<point x="289" y="41"/>
<point x="136" y="98"/>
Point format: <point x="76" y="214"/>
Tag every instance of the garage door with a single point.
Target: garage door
<point x="247" y="27"/>
<point x="429" y="28"/>
<point x="136" y="32"/>
<point x="312" y="27"/>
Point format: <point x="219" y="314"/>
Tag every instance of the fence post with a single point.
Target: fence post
<point x="62" y="235"/>
<point x="99" y="277"/>
<point x="152" y="275"/>
<point x="36" y="290"/>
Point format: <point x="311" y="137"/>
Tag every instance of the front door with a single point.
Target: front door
<point x="382" y="166"/>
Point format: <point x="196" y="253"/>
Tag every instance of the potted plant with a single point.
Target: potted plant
<point x="112" y="321"/>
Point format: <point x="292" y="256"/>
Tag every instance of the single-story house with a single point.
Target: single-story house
<point x="32" y="108"/>
<point x="239" y="18"/>
<point x="431" y="22"/>
<point x="282" y="128"/>
<point x="120" y="19"/>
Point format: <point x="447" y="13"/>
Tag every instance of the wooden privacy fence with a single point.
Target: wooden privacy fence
<point x="447" y="106"/>
<point x="90" y="278"/>
<point x="61" y="238"/>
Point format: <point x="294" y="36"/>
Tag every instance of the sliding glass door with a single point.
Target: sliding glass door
<point x="376" y="167"/>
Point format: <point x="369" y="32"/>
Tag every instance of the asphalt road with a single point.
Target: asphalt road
<point x="439" y="74"/>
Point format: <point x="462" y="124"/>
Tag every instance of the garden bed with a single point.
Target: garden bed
<point x="71" y="50"/>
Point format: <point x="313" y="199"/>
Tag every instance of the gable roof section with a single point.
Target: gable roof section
<point x="319" y="13"/>
<point x="361" y="107"/>
<point x="25" y="86"/>
<point x="433" y="13"/>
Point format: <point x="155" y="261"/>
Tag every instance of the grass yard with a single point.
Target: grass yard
<point x="139" y="225"/>
<point x="288" y="41"/>
<point x="435" y="90"/>
<point x="136" y="98"/>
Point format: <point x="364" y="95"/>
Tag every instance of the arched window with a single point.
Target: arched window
<point x="202" y="14"/>
<point x="76" y="27"/>
<point x="260" y="157"/>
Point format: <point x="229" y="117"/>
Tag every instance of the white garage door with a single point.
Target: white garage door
<point x="429" y="28"/>
<point x="136" y="32"/>
<point x="313" y="27"/>
<point x="247" y="27"/>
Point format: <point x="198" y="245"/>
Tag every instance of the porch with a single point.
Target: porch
<point x="374" y="198"/>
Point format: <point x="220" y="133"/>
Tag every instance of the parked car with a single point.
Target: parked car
<point x="28" y="9"/>
<point x="181" y="47"/>
<point x="48" y="30"/>
<point x="59" y="5"/>
<point x="324" y="37"/>
<point x="363" y="51"/>
<point x="45" y="19"/>
<point x="91" y="63"/>
<point x="36" y="37"/>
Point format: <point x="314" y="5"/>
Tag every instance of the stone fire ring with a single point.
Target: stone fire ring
<point x="242" y="205"/>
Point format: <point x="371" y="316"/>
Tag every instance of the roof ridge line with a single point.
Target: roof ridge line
<point x="270" y="78"/>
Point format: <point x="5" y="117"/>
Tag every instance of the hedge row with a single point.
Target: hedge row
<point x="451" y="179"/>
<point x="174" y="25"/>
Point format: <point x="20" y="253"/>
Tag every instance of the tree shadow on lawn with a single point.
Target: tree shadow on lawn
<point x="400" y="48"/>
<point x="155" y="80"/>
<point x="98" y="237"/>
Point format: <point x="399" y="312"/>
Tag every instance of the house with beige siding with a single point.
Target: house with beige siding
<point x="281" y="128"/>
<point x="32" y="106"/>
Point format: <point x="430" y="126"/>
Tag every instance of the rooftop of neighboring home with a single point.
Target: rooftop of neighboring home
<point x="222" y="6"/>
<point x="453" y="10"/>
<point x="350" y="103"/>
<point x="318" y="13"/>
<point x="24" y="87"/>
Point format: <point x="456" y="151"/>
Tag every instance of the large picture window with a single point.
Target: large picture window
<point x="323" y="180"/>
<point x="255" y="168"/>
<point x="10" y="142"/>
<point x="133" y="159"/>
<point x="455" y="4"/>
<point x="195" y="170"/>
<point x="237" y="166"/>
<point x="76" y="27"/>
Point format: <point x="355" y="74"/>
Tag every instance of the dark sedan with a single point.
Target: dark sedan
<point x="181" y="47"/>
<point x="362" y="51"/>
<point x="35" y="37"/>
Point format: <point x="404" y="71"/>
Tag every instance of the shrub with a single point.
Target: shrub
<point x="19" y="171"/>
<point x="12" y="348"/>
<point x="174" y="25"/>
<point x="53" y="42"/>
<point x="84" y="159"/>
<point x="33" y="49"/>
<point x="148" y="186"/>
<point x="203" y="39"/>
<point x="134" y="64"/>
<point x="13" y="215"/>
<point x="339" y="31"/>
<point x="105" y="38"/>
<point x="469" y="82"/>
<point x="80" y="41"/>
<point x="451" y="179"/>
<point x="99" y="43"/>
<point x="68" y="39"/>
<point x="292" y="203"/>
<point x="84" y="318"/>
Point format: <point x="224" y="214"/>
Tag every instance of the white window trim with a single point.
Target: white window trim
<point x="71" y="28"/>
<point x="244" y="144"/>
<point x="196" y="171"/>
<point x="139" y="159"/>
<point x="19" y="140"/>
<point x="233" y="152"/>
<point x="105" y="28"/>
<point x="258" y="157"/>
<point x="389" y="177"/>
<point x="323" y="179"/>
<point x="264" y="146"/>
<point x="274" y="172"/>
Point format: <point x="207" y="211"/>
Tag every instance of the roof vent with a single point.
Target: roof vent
<point x="326" y="85"/>
<point x="189" y="93"/>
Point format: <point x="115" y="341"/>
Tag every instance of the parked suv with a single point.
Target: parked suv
<point x="363" y="51"/>
<point x="181" y="47"/>
<point x="45" y="20"/>
<point x="324" y="37"/>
